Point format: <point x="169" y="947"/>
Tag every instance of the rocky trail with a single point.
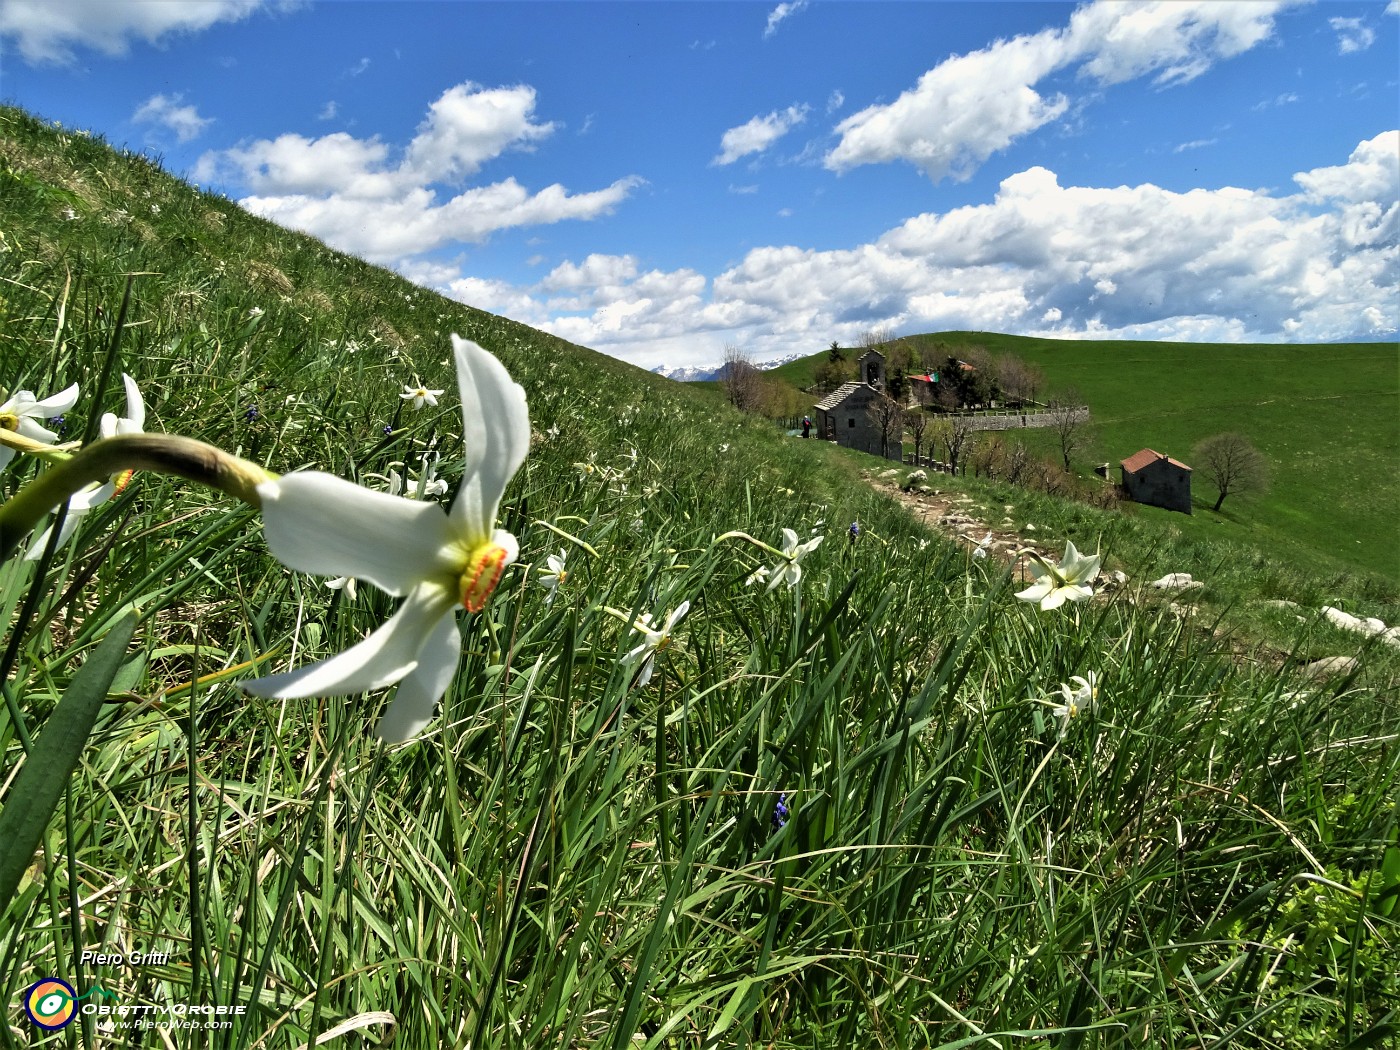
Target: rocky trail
<point x="962" y="518"/>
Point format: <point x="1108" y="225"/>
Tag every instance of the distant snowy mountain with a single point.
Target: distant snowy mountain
<point x="709" y="373"/>
<point x="689" y="375"/>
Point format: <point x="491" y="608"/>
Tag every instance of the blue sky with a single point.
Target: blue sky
<point x="661" y="180"/>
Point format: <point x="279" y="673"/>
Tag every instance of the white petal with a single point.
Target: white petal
<point x="6" y="454"/>
<point x="322" y="524"/>
<point x="507" y="543"/>
<point x="424" y="686"/>
<point x="55" y="404"/>
<point x="789" y="541"/>
<point x="381" y="659"/>
<point x="1036" y="591"/>
<point x="41" y="542"/>
<point x="135" y="408"/>
<point x="675" y="617"/>
<point x="1054" y="599"/>
<point x="496" y="432"/>
<point x="34" y="432"/>
<point x="85" y="499"/>
<point x="645" y="676"/>
<point x="1039" y="570"/>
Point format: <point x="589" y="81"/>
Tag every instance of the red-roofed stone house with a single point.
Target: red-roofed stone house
<point x="1158" y="480"/>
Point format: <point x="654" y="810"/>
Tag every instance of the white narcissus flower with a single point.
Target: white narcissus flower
<point x="1079" y="701"/>
<point x="556" y="575"/>
<point x="427" y="483"/>
<point x="1057" y="584"/>
<point x="980" y="551"/>
<point x="789" y="571"/>
<point x="436" y="559"/>
<point x="757" y="576"/>
<point x="91" y="496"/>
<point x="420" y="396"/>
<point x="655" y="641"/>
<point x="21" y="413"/>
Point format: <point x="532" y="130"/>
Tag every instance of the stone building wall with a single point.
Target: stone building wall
<point x="1160" y="484"/>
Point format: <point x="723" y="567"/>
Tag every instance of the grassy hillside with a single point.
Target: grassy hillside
<point x="1326" y="416"/>
<point x="853" y="812"/>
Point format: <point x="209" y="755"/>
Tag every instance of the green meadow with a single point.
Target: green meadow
<point x="1327" y="417"/>
<point x="876" y="805"/>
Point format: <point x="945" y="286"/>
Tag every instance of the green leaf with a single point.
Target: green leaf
<point x="56" y="753"/>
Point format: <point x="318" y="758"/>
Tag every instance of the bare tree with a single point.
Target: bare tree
<point x="889" y="417"/>
<point x="987" y="457"/>
<point x="1017" y="380"/>
<point x="876" y="338"/>
<point x="741" y="380"/>
<point x="1018" y="463"/>
<point x="954" y="431"/>
<point x="1232" y="465"/>
<point x="1067" y="416"/>
<point x="1032" y="379"/>
<point x="916" y="419"/>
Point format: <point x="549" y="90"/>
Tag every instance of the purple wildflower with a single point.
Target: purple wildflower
<point x="780" y="813"/>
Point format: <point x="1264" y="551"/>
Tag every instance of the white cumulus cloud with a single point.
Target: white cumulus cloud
<point x="1319" y="264"/>
<point x="469" y="125"/>
<point x="758" y="134"/>
<point x="353" y="194"/>
<point x="165" y="111"/>
<point x="1353" y="34"/>
<point x="971" y="106"/>
<point x="782" y="11"/>
<point x="47" y="31"/>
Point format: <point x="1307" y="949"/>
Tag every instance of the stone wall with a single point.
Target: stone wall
<point x="1017" y="420"/>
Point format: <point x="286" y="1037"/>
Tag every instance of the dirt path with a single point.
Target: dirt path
<point x="958" y="516"/>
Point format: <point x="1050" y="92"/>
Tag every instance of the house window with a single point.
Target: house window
<point x="852" y="422"/>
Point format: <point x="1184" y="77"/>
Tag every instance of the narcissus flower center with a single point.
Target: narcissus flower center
<point x="9" y="421"/>
<point x="122" y="480"/>
<point x="481" y="574"/>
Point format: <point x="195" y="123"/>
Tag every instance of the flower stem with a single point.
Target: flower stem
<point x="162" y="453"/>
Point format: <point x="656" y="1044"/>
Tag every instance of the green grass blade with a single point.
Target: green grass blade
<point x="57" y="752"/>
